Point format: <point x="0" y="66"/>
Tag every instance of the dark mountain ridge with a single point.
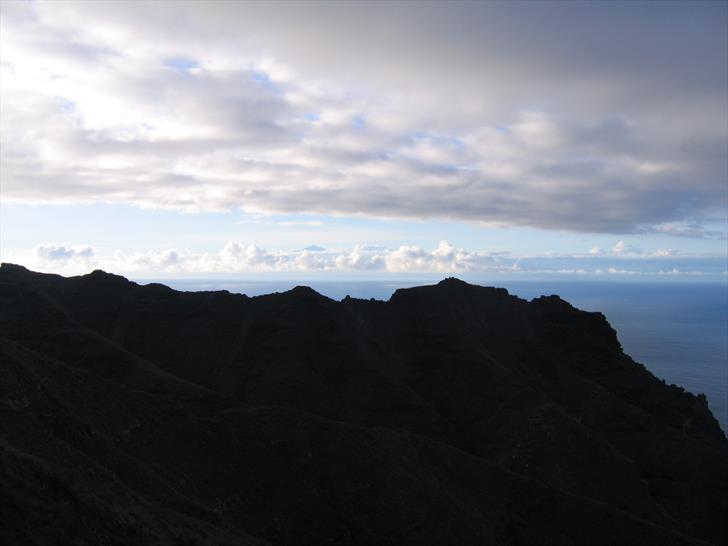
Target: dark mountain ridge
<point x="453" y="414"/>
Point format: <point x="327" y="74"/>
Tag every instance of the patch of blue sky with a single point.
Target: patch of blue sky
<point x="69" y="109"/>
<point x="264" y="81"/>
<point x="670" y="265"/>
<point x="66" y="105"/>
<point x="528" y="241"/>
<point x="436" y="139"/>
<point x="260" y="77"/>
<point x="125" y="227"/>
<point x="181" y="64"/>
<point x="129" y="228"/>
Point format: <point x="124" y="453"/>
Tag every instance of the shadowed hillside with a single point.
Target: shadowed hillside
<point x="450" y="414"/>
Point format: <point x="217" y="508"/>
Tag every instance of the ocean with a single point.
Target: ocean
<point x="679" y="331"/>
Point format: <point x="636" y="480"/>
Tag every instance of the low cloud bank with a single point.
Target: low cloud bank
<point x="239" y="258"/>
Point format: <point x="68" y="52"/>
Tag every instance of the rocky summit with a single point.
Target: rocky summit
<point x="450" y="414"/>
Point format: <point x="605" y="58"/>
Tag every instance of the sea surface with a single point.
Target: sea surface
<point x="679" y="331"/>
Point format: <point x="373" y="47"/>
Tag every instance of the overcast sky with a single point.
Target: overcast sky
<point x="209" y="138"/>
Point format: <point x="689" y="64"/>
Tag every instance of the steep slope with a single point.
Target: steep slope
<point x="572" y="359"/>
<point x="85" y="460"/>
<point x="491" y="383"/>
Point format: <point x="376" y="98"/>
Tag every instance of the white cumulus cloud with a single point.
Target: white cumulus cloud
<point x="62" y="258"/>
<point x="445" y="259"/>
<point x="236" y="257"/>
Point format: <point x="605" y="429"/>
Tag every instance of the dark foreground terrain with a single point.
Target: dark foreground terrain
<point x="451" y="414"/>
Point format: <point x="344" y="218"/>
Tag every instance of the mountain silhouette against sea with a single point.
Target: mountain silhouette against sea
<point x="449" y="414"/>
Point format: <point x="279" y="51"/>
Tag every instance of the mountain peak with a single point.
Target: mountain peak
<point x="552" y="301"/>
<point x="8" y="267"/>
<point x="104" y="276"/>
<point x="306" y="293"/>
<point x="452" y="281"/>
<point x="303" y="289"/>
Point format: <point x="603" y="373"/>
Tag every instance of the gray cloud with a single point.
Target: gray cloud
<point x="55" y="252"/>
<point x="62" y="258"/>
<point x="576" y="116"/>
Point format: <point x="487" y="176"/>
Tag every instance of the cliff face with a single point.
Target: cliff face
<point x="450" y="414"/>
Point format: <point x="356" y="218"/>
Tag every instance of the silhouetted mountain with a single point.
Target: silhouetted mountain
<point x="451" y="414"/>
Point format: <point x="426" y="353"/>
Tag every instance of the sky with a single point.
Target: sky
<point x="356" y="139"/>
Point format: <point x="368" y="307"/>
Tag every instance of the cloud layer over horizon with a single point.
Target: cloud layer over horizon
<point x="248" y="258"/>
<point x="584" y="117"/>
